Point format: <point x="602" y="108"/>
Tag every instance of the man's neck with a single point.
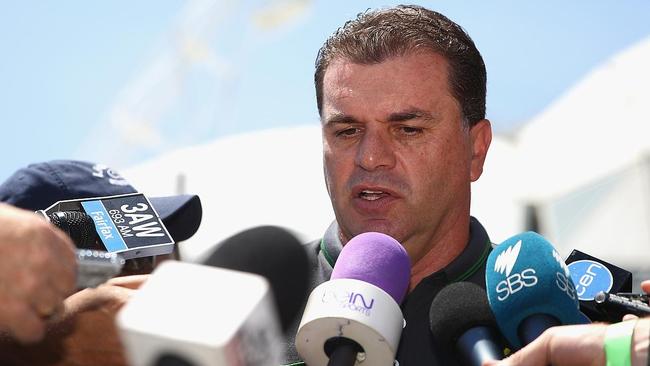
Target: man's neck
<point x="439" y="250"/>
<point x="442" y="251"/>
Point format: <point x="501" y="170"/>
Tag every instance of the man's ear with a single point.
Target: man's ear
<point x="480" y="138"/>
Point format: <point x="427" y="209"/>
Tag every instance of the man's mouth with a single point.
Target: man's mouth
<point x="372" y="195"/>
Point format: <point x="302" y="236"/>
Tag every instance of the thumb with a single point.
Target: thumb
<point x="494" y="363"/>
<point x="645" y="286"/>
<point x="534" y="354"/>
<point x="131" y="282"/>
<point x="629" y="317"/>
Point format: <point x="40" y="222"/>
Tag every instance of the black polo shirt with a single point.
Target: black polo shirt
<point x="417" y="345"/>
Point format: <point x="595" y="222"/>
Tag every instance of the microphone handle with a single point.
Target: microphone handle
<point x="534" y="325"/>
<point x="621" y="303"/>
<point x="169" y="359"/>
<point x="343" y="352"/>
<point x="478" y="344"/>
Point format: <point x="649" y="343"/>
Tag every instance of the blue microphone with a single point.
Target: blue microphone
<point x="530" y="288"/>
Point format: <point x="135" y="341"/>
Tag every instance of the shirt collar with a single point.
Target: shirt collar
<point x="462" y="267"/>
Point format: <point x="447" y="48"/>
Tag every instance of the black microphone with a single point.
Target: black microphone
<point x="172" y="360"/>
<point x="94" y="265"/>
<point x="627" y="303"/>
<point x="460" y="317"/>
<point x="125" y="224"/>
<point x="592" y="275"/>
<point x="273" y="253"/>
<point x="79" y="226"/>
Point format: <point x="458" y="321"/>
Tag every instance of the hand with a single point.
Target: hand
<point x="84" y="333"/>
<point x="90" y="313"/>
<point x="573" y="345"/>
<point x="108" y="297"/>
<point x="37" y="271"/>
<point x="576" y="345"/>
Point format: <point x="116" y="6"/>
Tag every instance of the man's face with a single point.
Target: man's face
<point x="397" y="156"/>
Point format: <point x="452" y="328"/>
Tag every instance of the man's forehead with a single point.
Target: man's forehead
<point x="341" y="64"/>
<point x="396" y="83"/>
<point x="419" y="68"/>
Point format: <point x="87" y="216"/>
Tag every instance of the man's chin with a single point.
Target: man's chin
<point x="380" y="226"/>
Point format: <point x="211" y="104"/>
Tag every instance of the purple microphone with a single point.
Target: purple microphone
<point x="355" y="316"/>
<point x="377" y="259"/>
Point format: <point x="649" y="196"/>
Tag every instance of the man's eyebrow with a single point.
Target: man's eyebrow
<point x="340" y="118"/>
<point x="402" y="116"/>
<point x="409" y="115"/>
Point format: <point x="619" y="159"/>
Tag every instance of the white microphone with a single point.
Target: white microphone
<point x="199" y="315"/>
<point x="203" y="315"/>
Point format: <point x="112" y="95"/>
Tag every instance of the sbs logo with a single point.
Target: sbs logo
<point x="563" y="279"/>
<point x="507" y="259"/>
<point x="504" y="264"/>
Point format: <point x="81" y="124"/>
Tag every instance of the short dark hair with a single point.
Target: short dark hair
<point x="376" y="35"/>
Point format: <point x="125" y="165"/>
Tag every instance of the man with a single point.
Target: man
<point x="401" y="96"/>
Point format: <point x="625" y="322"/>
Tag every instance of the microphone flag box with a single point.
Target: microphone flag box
<point x="201" y="316"/>
<point x="591" y="276"/>
<point x="126" y="224"/>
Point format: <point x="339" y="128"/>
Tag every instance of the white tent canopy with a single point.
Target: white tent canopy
<point x="599" y="126"/>
<point x="586" y="162"/>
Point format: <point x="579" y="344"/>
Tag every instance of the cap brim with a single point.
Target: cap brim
<point x="181" y="214"/>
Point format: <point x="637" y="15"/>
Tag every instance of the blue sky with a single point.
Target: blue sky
<point x="68" y="68"/>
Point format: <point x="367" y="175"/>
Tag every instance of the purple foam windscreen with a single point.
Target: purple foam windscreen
<point x="377" y="259"/>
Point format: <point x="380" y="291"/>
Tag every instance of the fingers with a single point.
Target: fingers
<point x="629" y="317"/>
<point x="534" y="354"/>
<point x="574" y="345"/>
<point x="46" y="301"/>
<point x="31" y="328"/>
<point x="48" y="268"/>
<point x="645" y="286"/>
<point x="60" y="260"/>
<point x="105" y="296"/>
<point x="37" y="271"/>
<point x="22" y="322"/>
<point x="132" y="282"/>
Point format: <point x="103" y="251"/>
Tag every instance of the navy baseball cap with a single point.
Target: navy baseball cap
<point x="40" y="185"/>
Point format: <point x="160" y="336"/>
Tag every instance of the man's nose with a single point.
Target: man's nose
<point x="375" y="151"/>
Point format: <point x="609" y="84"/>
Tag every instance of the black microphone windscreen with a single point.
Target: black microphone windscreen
<point x="79" y="226"/>
<point x="275" y="254"/>
<point x="460" y="317"/>
<point x="457" y="308"/>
